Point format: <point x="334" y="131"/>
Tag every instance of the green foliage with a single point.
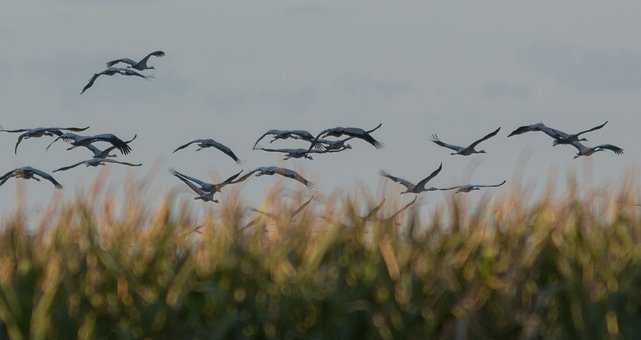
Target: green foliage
<point x="559" y="268"/>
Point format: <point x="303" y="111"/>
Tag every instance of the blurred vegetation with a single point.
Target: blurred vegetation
<point x="562" y="266"/>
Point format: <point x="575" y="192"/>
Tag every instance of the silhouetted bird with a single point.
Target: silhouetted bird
<point x="210" y="143"/>
<point x="350" y="132"/>
<point x="205" y="191"/>
<point x="274" y="170"/>
<point x="467" y="150"/>
<point x="415" y="188"/>
<point x="589" y="151"/>
<point x="28" y="172"/>
<point x="97" y="162"/>
<point x="286" y="134"/>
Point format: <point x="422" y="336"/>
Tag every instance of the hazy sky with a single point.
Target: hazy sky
<point x="235" y="69"/>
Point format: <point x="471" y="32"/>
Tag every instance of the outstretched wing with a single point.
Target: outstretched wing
<point x="421" y="185"/>
<point x="438" y="142"/>
<point x="191" y="185"/>
<point x="409" y="185"/>
<point x="15" y="131"/>
<point x="188" y="144"/>
<point x="226" y="150"/>
<point x="122" y="60"/>
<point x="105" y="153"/>
<point x="376" y="128"/>
<point x="121" y="145"/>
<point x="189" y="178"/>
<point x="486" y="137"/>
<point x="47" y="177"/>
<point x="592" y="129"/>
<point x="70" y="166"/>
<point x="617" y="150"/>
<point x="490" y="185"/>
<point x="246" y="176"/>
<point x="120" y="162"/>
<point x="270" y="132"/>
<point x="452" y="188"/>
<point x="20" y="138"/>
<point x="74" y="129"/>
<point x="6" y="176"/>
<point x="144" y="60"/>
<point x="274" y="150"/>
<point x="91" y="81"/>
<point x="368" y="138"/>
<point x="526" y="128"/>
<point x="231" y="179"/>
<point x="292" y="174"/>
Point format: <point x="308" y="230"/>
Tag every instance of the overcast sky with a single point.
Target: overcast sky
<point x="237" y="68"/>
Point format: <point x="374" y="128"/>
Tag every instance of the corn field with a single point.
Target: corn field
<point x="559" y="266"/>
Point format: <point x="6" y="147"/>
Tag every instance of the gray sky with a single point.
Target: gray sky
<point x="236" y="69"/>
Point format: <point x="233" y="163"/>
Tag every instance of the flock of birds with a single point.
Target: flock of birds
<point x="331" y="140"/>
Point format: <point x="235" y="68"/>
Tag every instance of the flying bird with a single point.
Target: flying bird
<point x="559" y="137"/>
<point x="412" y="188"/>
<point x="28" y="172"/>
<point x="286" y="134"/>
<point x="589" y="151"/>
<point x="205" y="191"/>
<point x="210" y="143"/>
<point x="327" y="145"/>
<point x="97" y="162"/>
<point x="106" y="153"/>
<point x="138" y="65"/>
<point x="472" y="187"/>
<point x="41" y="132"/>
<point x="467" y="150"/>
<point x="274" y="170"/>
<point x="77" y="140"/>
<point x="349" y="132"/>
<point x="292" y="153"/>
<point x="110" y="72"/>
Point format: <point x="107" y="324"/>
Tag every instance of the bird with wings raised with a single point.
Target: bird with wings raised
<point x="417" y="188"/>
<point x="204" y="190"/>
<point x="465" y="150"/>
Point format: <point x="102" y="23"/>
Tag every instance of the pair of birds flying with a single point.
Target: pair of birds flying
<point x="575" y="139"/>
<point x="206" y="191"/>
<point x="420" y="187"/>
<point x="134" y="68"/>
<point x="319" y="143"/>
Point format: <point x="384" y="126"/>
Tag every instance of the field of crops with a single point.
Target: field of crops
<point x="561" y="266"/>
